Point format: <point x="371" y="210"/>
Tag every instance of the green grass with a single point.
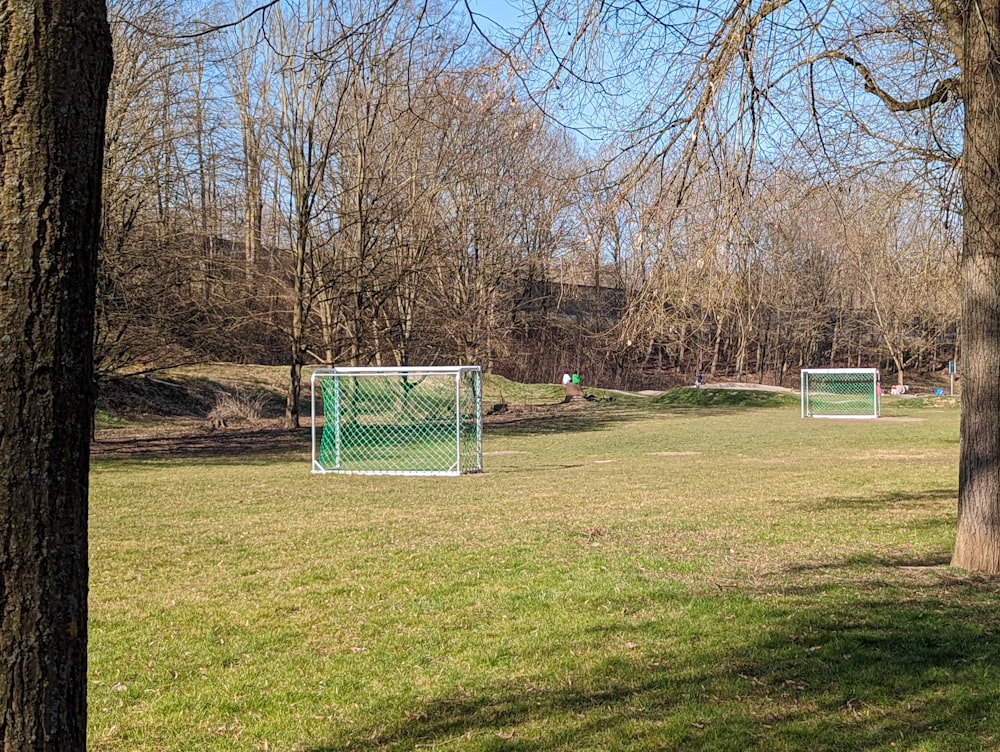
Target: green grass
<point x="634" y="575"/>
<point x="498" y="390"/>
<point x="688" y="397"/>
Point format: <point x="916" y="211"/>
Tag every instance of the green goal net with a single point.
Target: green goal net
<point x="397" y="421"/>
<point x="840" y="393"/>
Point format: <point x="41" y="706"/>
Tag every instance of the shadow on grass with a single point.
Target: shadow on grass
<point x="875" y="561"/>
<point x="887" y="499"/>
<point x="584" y="416"/>
<point x="231" y="445"/>
<point x="559" y="419"/>
<point x="913" y="666"/>
<point x="192" y="439"/>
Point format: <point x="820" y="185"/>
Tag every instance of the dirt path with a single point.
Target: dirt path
<point x="715" y="385"/>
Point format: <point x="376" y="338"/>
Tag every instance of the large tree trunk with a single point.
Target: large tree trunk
<point x="977" y="545"/>
<point x="56" y="65"/>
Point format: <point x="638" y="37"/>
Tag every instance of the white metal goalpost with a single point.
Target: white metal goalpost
<point x="397" y="421"/>
<point x="841" y="393"/>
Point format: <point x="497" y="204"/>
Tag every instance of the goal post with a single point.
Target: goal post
<point x="397" y="421"/>
<point x="840" y="393"/>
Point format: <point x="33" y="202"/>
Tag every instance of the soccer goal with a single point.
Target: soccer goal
<point x="840" y="393"/>
<point x="397" y="421"/>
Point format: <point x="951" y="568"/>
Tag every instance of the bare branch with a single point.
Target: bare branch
<point x="940" y="93"/>
<point x="262" y="10"/>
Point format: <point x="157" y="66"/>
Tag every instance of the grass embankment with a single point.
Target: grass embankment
<point x="631" y="575"/>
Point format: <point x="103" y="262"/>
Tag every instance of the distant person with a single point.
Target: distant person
<point x="697" y="381"/>
<point x="572" y="386"/>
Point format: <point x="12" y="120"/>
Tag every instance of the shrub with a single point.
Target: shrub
<point x="237" y="407"/>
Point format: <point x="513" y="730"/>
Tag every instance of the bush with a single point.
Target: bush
<point x="237" y="407"/>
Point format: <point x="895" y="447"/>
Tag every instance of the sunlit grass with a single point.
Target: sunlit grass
<point x="622" y="577"/>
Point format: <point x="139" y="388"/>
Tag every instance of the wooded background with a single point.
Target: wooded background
<point x="367" y="183"/>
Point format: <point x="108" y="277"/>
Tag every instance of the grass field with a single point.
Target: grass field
<point x="691" y="572"/>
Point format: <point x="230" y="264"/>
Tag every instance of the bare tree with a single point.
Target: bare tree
<point x="891" y="74"/>
<point x="896" y="268"/>
<point x="246" y="63"/>
<point x="309" y="109"/>
<point x="57" y="64"/>
<point x="135" y="280"/>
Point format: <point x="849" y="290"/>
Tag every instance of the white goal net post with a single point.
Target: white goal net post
<point x="397" y="420"/>
<point x="841" y="393"/>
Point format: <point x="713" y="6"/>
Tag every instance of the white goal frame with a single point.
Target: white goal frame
<point x="401" y="420"/>
<point x="852" y="393"/>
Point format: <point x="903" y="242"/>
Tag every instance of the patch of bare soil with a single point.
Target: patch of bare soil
<point x="746" y="386"/>
<point x="174" y="417"/>
<point x="516" y="413"/>
<point x="185" y="439"/>
<point x="193" y="437"/>
<point x="170" y="416"/>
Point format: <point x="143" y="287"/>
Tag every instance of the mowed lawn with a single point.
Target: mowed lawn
<point x="637" y="575"/>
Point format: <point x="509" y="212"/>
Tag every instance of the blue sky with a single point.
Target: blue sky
<point x="501" y="12"/>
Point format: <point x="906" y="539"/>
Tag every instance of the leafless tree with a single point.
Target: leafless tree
<point x="890" y="74"/>
<point x="307" y="128"/>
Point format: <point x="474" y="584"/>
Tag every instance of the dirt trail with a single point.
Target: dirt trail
<point x="720" y="385"/>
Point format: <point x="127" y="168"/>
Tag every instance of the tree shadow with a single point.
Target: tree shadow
<point x="580" y="417"/>
<point x="234" y="445"/>
<point x="885" y="499"/>
<point x="875" y="561"/>
<point x="540" y="422"/>
<point x="196" y="440"/>
<point x="183" y="431"/>
<point x="881" y="668"/>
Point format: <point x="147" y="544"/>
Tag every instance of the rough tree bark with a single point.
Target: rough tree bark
<point x="56" y="65"/>
<point x="977" y="543"/>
